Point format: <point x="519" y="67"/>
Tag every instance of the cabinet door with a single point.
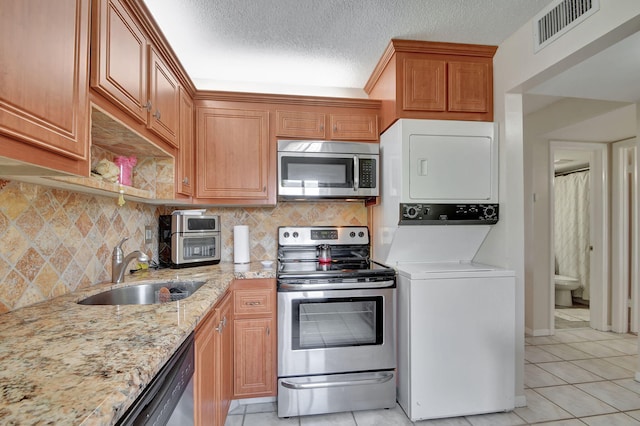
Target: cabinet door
<point x="163" y="93"/>
<point x="354" y="127"/>
<point x="225" y="373"/>
<point x="254" y="349"/>
<point x="233" y="157"/>
<point x="119" y="58"/>
<point x="213" y="381"/>
<point x="44" y="103"/>
<point x="300" y="124"/>
<point x="469" y="87"/>
<point x="205" y="378"/>
<point x="184" y="172"/>
<point x="425" y="85"/>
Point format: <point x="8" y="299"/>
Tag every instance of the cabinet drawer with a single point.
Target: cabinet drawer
<point x="253" y="302"/>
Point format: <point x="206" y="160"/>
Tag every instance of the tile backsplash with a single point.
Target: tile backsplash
<point x="55" y="241"/>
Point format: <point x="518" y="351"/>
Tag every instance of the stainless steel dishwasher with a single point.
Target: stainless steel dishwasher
<point x="168" y="400"/>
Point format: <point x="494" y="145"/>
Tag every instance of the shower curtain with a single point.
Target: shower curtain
<point x="572" y="228"/>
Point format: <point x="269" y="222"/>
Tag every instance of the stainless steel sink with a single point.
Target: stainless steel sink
<point x="145" y="294"/>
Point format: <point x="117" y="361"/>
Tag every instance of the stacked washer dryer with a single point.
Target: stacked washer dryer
<point x="456" y="317"/>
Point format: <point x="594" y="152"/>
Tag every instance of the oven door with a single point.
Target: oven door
<point x="335" y="331"/>
<point x="195" y="247"/>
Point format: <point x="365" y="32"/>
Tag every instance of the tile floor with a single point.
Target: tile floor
<point x="577" y="377"/>
<point x="574" y="317"/>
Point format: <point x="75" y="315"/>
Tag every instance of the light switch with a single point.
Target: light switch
<point x="148" y="234"/>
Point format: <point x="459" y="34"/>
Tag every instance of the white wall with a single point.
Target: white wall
<point x="517" y="69"/>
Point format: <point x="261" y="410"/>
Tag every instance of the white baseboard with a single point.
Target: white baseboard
<point x="538" y="332"/>
<point x="520" y="401"/>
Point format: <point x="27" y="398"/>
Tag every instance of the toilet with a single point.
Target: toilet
<point x="564" y="286"/>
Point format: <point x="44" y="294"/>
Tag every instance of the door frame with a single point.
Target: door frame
<point x="598" y="233"/>
<point x="624" y="244"/>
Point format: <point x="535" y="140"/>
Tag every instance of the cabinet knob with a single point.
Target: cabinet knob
<point x="157" y="114"/>
<point x="185" y="180"/>
<point x="147" y="106"/>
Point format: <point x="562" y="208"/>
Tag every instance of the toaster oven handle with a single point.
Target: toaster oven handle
<point x="339" y="383"/>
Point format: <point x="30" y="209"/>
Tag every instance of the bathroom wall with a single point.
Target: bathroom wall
<point x="55" y="241"/>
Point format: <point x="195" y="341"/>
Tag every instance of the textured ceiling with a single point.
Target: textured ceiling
<point x="318" y="47"/>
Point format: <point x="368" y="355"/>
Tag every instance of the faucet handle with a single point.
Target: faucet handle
<point x="117" y="250"/>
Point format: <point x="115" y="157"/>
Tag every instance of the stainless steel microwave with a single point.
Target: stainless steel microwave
<point x="328" y="169"/>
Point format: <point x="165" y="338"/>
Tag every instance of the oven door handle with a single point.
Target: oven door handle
<point x="336" y="286"/>
<point x="341" y="383"/>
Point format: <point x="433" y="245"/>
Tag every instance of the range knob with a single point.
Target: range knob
<point x="286" y="235"/>
<point x="295" y="234"/>
<point x="352" y="234"/>
<point x="361" y="234"/>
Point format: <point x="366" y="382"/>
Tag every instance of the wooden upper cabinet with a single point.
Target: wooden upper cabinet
<point x="186" y="141"/>
<point x="448" y="85"/>
<point x="300" y="124"/>
<point x="469" y="88"/>
<point x="119" y="58"/>
<point x="354" y="127"/>
<point x="433" y="80"/>
<point x="233" y="155"/>
<point x="358" y="126"/>
<point x="425" y="85"/>
<point x="164" y="96"/>
<point x="129" y="72"/>
<point x="44" y="104"/>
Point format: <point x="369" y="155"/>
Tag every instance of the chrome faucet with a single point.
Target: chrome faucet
<point x="119" y="262"/>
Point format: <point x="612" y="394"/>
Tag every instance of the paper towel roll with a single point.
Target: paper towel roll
<point x="241" y="244"/>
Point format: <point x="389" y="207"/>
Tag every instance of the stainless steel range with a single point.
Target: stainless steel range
<point x="336" y="322"/>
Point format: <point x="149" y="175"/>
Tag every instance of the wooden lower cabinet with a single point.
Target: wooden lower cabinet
<point x="213" y="379"/>
<point x="255" y="342"/>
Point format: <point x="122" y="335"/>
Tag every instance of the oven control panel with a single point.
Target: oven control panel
<point x="313" y="235"/>
<point x="448" y="214"/>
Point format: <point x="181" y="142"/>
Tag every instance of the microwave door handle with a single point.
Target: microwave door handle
<point x="356" y="173"/>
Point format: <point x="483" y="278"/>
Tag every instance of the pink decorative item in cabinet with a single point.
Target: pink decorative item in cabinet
<point x="126" y="166"/>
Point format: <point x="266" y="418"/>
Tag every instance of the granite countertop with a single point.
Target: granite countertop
<point x="71" y="364"/>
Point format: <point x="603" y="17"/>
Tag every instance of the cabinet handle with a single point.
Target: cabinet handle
<point x="157" y="114"/>
<point x="335" y="127"/>
<point x="252" y="303"/>
<point x="221" y="325"/>
<point x="147" y="106"/>
<point x="322" y="127"/>
<point x="268" y="331"/>
<point x="185" y="181"/>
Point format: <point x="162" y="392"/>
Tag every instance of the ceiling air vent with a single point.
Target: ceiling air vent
<point x="558" y="18"/>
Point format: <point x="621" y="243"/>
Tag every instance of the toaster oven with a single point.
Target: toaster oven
<point x="189" y="240"/>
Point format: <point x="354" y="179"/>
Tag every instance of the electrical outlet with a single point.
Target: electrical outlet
<point x="148" y="234"/>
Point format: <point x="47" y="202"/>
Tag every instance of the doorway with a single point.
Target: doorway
<point x="625" y="296"/>
<point x="593" y="157"/>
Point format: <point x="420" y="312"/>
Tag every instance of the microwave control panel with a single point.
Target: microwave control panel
<point x="448" y="214"/>
<point x="367" y="171"/>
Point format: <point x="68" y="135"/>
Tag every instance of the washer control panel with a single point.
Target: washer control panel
<point x="448" y="214"/>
